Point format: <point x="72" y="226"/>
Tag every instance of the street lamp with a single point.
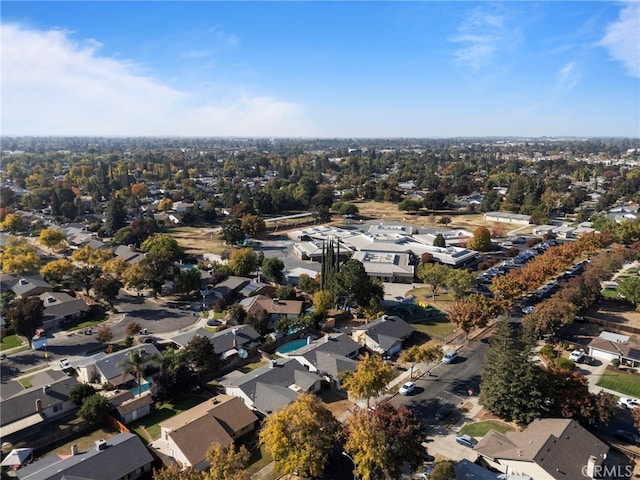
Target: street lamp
<point x="354" y="464"/>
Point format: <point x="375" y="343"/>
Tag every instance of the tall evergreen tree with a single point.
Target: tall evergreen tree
<point x="511" y="386"/>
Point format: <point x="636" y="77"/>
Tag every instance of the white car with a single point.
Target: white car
<point x="450" y="357"/>
<point x="528" y="310"/>
<point x="64" y="364"/>
<point x="576" y="355"/>
<point x="626" y="402"/>
<point x="407" y="388"/>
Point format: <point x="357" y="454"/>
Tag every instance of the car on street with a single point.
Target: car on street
<point x="64" y="364"/>
<point x="450" y="357"/>
<point x="443" y="412"/>
<point x="466" y="441"/>
<point x="577" y="355"/>
<point x="407" y="388"/>
<point x="627" y="436"/>
<point x="626" y="402"/>
<point x="528" y="309"/>
<point x="212" y="322"/>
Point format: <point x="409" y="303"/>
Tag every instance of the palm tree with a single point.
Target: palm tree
<point x="135" y="363"/>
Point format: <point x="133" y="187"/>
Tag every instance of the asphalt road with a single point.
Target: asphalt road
<point x="449" y="384"/>
<point x="158" y="316"/>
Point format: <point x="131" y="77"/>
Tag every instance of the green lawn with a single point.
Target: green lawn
<point x="429" y="320"/>
<point x="164" y="411"/>
<point x="258" y="460"/>
<point x="609" y="293"/>
<point x="10" y="341"/>
<point x="252" y="366"/>
<point x="480" y="429"/>
<point x="620" y="381"/>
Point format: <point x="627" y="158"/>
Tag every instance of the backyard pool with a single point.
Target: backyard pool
<point x="145" y="386"/>
<point x="292" y="346"/>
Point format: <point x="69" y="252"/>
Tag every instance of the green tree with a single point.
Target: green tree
<point x="308" y="284"/>
<point x="135" y="363"/>
<point x="94" y="408"/>
<point x="85" y="276"/>
<point x="243" y="262"/>
<point x="163" y="244"/>
<point x="418" y="354"/>
<point x="80" y="392"/>
<point x="459" y="282"/>
<point x="272" y="269"/>
<point x="439" y="241"/>
<point x="252" y="225"/>
<point x="300" y="436"/>
<point x="353" y="282"/>
<point x="370" y="378"/>
<point x="507" y="360"/>
<point x="200" y="355"/>
<point x="25" y="315"/>
<point x="410" y="205"/>
<point x="434" y="274"/>
<point x="443" y="470"/>
<point x="188" y="280"/>
<point x="157" y="269"/>
<point x="115" y="215"/>
<point x="629" y="288"/>
<point x="481" y="240"/>
<point x="232" y="231"/>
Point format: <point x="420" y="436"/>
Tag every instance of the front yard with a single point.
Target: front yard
<point x="148" y="428"/>
<point x="620" y="381"/>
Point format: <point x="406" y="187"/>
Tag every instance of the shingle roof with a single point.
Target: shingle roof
<point x="387" y="330"/>
<point x="23" y="404"/>
<point x="124" y="454"/>
<point x="109" y="365"/>
<point x="556" y="445"/>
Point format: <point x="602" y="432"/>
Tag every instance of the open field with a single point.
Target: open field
<point x="197" y="240"/>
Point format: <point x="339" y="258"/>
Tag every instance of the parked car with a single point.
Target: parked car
<point x="577" y="355"/>
<point x="407" y="388"/>
<point x="628" y="436"/>
<point x="212" y="322"/>
<point x="466" y="441"/>
<point x="450" y="357"/>
<point x="626" y="402"/>
<point x="64" y="363"/>
<point x="443" y="412"/>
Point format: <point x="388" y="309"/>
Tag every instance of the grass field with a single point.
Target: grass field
<point x="620" y="381"/>
<point x="151" y="423"/>
<point x="480" y="429"/>
<point x="10" y="341"/>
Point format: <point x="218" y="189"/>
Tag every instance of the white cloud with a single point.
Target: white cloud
<point x="53" y="85"/>
<point x="567" y="77"/>
<point x="622" y="39"/>
<point x="481" y="35"/>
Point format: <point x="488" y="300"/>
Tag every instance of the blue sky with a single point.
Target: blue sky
<point x="321" y="69"/>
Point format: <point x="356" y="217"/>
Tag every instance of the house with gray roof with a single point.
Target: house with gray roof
<point x="229" y="287"/>
<point x="274" y="386"/>
<point x="550" y="448"/>
<point x="384" y="335"/>
<point x="61" y="308"/>
<point x="107" y="367"/>
<point x="329" y="356"/>
<point x="128" y="254"/>
<point x="122" y="456"/>
<point x="26" y="285"/>
<point x="24" y="413"/>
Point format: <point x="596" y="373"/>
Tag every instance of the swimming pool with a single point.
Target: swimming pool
<point x="145" y="386"/>
<point x="292" y="346"/>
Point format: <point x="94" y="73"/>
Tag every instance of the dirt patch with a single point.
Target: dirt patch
<point x="198" y="241"/>
<point x="336" y="404"/>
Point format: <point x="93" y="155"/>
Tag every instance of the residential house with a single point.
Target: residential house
<point x="384" y="335"/>
<point x="107" y="368"/>
<point x="120" y="457"/>
<point x="612" y="346"/>
<point x="23" y="414"/>
<point x="274" y="386"/>
<point x="26" y="286"/>
<point x="273" y="308"/>
<point x="128" y="254"/>
<point x="231" y="343"/>
<point x="61" y="308"/>
<point x="223" y="420"/>
<point x="230" y="287"/>
<point x="127" y="408"/>
<point x="550" y="448"/>
<point x="330" y="356"/>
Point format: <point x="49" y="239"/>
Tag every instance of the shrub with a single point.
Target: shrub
<point x="565" y="363"/>
<point x="615" y="363"/>
<point x="548" y="351"/>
